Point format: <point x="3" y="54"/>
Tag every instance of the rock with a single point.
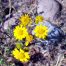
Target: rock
<point x="50" y="9"/>
<point x="9" y="23"/>
<point x="9" y="59"/>
<point x="55" y="33"/>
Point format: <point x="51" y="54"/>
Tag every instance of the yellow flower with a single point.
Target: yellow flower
<point x="21" y="55"/>
<point x="39" y="19"/>
<point x="20" y="32"/>
<point x="26" y="43"/>
<point x="29" y="39"/>
<point x="25" y="20"/>
<point x="41" y="31"/>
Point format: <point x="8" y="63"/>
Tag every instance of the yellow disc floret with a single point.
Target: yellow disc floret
<point x="39" y="19"/>
<point x="41" y="31"/>
<point x="20" y="32"/>
<point x="25" y="20"/>
<point x="21" y="55"/>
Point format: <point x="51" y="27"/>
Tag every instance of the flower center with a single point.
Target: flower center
<point x="20" y="32"/>
<point x="41" y="31"/>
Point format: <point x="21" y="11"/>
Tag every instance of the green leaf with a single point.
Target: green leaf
<point x="1" y="61"/>
<point x="19" y="45"/>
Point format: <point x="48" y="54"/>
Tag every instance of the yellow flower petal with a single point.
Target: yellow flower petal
<point x="26" y="43"/>
<point x="29" y="38"/>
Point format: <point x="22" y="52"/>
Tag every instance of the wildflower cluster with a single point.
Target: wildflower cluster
<point x="22" y="33"/>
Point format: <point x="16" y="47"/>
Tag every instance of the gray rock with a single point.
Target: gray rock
<point x="8" y="23"/>
<point x="55" y="33"/>
<point x="50" y="9"/>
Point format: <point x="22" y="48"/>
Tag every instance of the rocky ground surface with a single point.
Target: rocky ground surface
<point x="53" y="11"/>
<point x="63" y="14"/>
